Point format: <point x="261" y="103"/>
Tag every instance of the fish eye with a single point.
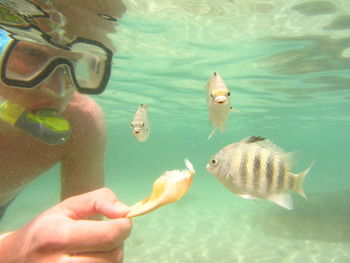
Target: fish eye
<point x="213" y="161"/>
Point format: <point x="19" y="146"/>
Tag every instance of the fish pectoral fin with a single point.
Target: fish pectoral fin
<point x="282" y="199"/>
<point x="249" y="197"/>
<point x="212" y="133"/>
<point x="232" y="109"/>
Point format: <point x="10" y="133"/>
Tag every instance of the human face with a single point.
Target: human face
<point x="55" y="92"/>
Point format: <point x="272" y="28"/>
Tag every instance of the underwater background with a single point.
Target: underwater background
<point x="287" y="64"/>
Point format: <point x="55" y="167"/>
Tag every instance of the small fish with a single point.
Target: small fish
<point x="256" y="168"/>
<point x="218" y="100"/>
<point x="139" y="125"/>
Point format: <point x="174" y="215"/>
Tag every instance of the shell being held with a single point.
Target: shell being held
<point x="168" y="188"/>
<point x="256" y="168"/>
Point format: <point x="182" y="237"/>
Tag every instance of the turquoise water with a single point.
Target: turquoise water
<point x="287" y="64"/>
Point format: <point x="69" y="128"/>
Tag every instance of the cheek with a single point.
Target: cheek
<point x="23" y="97"/>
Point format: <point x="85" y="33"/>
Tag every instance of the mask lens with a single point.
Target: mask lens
<point x="92" y="67"/>
<point x="26" y="61"/>
<point x="89" y="71"/>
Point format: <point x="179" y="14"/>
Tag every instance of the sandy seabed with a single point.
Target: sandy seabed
<point x="227" y="229"/>
<point x="211" y="225"/>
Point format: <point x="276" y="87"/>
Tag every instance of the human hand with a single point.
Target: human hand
<point x="62" y="234"/>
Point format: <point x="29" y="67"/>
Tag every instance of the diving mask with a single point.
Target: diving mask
<point x="45" y="125"/>
<point x="26" y="64"/>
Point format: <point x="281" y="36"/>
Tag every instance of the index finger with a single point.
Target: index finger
<point x="102" y="201"/>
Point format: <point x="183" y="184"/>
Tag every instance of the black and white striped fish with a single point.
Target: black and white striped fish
<point x="257" y="168"/>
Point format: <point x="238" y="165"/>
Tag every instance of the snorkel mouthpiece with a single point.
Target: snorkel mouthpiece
<point x="45" y="125"/>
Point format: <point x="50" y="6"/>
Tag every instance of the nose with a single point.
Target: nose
<point x="59" y="84"/>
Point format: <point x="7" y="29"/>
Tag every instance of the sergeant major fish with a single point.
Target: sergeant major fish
<point x="218" y="100"/>
<point x="257" y="168"/>
<point x="139" y="125"/>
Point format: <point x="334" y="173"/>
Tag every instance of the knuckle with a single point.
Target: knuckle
<point x="106" y="192"/>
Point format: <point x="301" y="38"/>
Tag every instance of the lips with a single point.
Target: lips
<point x="220" y="100"/>
<point x="136" y="130"/>
<point x="58" y="105"/>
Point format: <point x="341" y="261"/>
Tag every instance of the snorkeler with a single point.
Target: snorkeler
<point x="46" y="119"/>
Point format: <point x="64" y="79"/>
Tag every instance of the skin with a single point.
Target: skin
<point x="81" y="157"/>
<point x="24" y="158"/>
<point x="62" y="233"/>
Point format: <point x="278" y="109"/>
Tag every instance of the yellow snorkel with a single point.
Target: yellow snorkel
<point x="45" y="125"/>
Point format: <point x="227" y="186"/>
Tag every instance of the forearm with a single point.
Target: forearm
<point x="7" y="249"/>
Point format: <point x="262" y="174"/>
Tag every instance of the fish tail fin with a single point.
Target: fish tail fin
<point x="300" y="177"/>
<point x="212" y="133"/>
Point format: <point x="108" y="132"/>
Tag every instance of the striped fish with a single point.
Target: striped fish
<point x="140" y="125"/>
<point x="218" y="100"/>
<point x="257" y="168"/>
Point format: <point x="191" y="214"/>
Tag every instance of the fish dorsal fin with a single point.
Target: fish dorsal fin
<point x="252" y="139"/>
<point x="289" y="157"/>
<point x="144" y="106"/>
<point x="264" y="143"/>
